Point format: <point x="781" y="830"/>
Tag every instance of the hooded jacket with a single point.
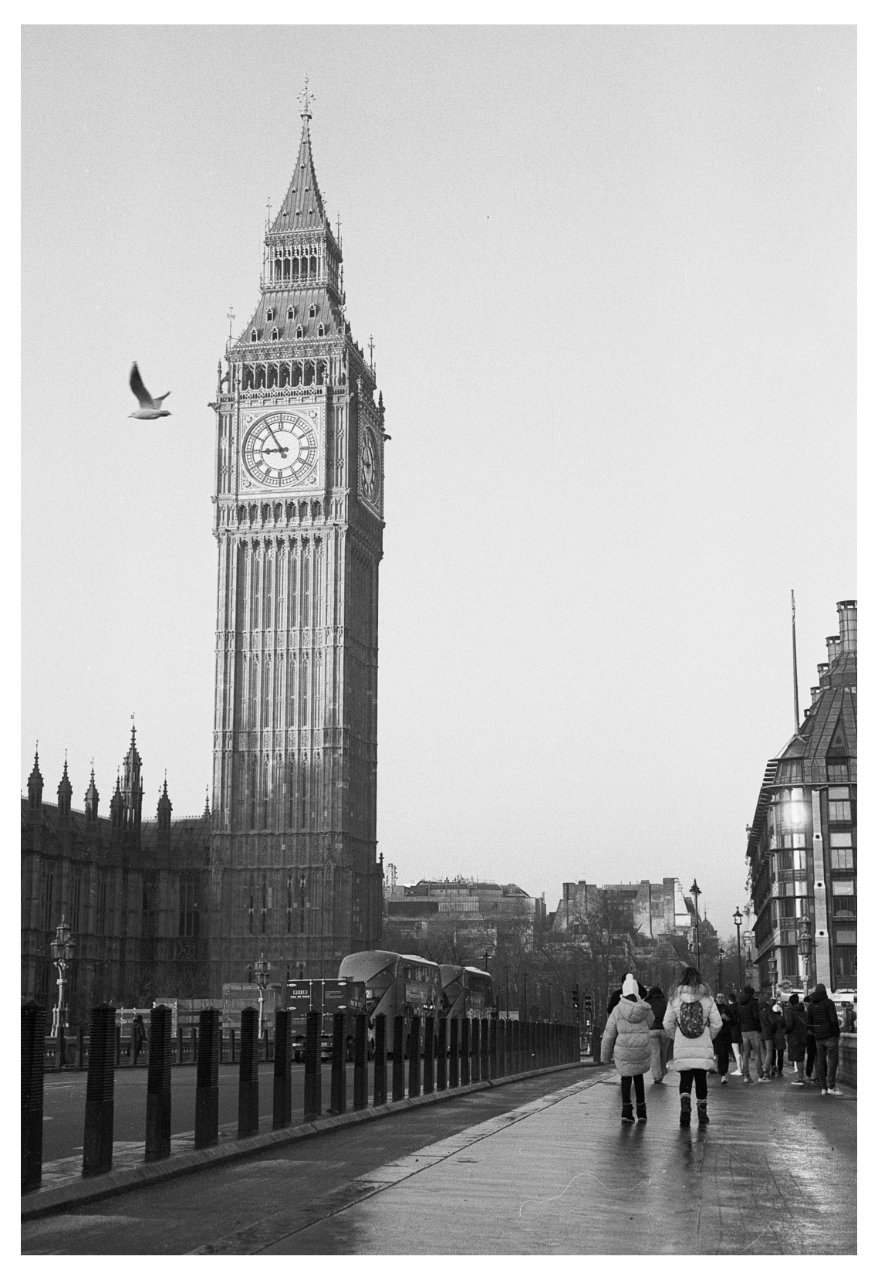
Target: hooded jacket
<point x="723" y="1038"/>
<point x="693" y="1054"/>
<point x="748" y="1012"/>
<point x="822" y="1015"/>
<point x="795" y="1018"/>
<point x="656" y="1000"/>
<point x="626" y="1036"/>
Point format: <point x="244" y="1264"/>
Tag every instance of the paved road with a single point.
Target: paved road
<point x="64" y="1103"/>
<point x="539" y="1166"/>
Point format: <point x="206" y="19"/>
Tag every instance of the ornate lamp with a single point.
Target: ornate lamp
<point x="804" y="943"/>
<point x="262" y="972"/>
<point x="62" y="950"/>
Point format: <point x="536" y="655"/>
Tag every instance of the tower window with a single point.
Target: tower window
<point x="253" y="335"/>
<point x="274" y="335"/>
<point x="312" y="310"/>
<point x="300" y="332"/>
<point x="270" y="313"/>
<point x="321" y="331"/>
<point x="289" y="313"/>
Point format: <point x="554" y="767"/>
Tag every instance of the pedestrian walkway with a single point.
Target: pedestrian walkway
<point x="773" y="1173"/>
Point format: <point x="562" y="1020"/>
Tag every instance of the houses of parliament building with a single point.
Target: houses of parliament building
<point x="283" y="860"/>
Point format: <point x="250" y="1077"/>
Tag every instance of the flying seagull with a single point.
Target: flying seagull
<point x="149" y="408"/>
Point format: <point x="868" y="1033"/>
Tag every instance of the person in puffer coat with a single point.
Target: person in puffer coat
<point x="626" y="1037"/>
<point x="693" y="1054"/>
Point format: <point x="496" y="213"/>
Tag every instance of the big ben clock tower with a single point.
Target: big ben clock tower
<point x="299" y="506"/>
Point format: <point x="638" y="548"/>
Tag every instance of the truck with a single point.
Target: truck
<point x="326" y="996"/>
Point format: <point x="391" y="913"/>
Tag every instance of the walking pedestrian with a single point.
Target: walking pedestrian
<point x="780" y="1040"/>
<point x="694" y="1021"/>
<point x="626" y="1038"/>
<point x="795" y="1020"/>
<point x="810" y="1046"/>
<point x="751" y="1037"/>
<point x="823" y="1021"/>
<point x="735" y="1027"/>
<point x="768" y="1024"/>
<point x="659" y="1041"/>
<point x="722" y="1043"/>
<point x="138" y="1035"/>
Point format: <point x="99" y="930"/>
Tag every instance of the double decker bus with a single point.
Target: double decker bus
<point x="467" y="992"/>
<point x="395" y="984"/>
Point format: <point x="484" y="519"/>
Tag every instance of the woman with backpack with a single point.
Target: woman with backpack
<point x="693" y="1020"/>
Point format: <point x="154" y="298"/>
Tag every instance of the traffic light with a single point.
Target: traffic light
<point x="586" y="1004"/>
<point x="575" y="994"/>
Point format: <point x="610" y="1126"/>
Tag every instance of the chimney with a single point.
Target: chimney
<point x="833" y="647"/>
<point x="815" y="693"/>
<point x="847" y="625"/>
<point x="822" y="669"/>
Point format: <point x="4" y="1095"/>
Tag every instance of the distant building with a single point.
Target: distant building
<point x="802" y="844"/>
<point x="655" y="909"/>
<point x="133" y="892"/>
<point x="481" y="912"/>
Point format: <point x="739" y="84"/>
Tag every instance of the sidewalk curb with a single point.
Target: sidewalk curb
<point x="81" y="1191"/>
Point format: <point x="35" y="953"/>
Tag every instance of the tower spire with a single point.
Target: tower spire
<point x="306" y="97"/>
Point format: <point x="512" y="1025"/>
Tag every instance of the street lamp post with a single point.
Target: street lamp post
<point x="262" y="970"/>
<point x="719" y="964"/>
<point x="772" y="973"/>
<point x="738" y="919"/>
<point x="804" y="948"/>
<point x="62" y="957"/>
<point x="695" y="891"/>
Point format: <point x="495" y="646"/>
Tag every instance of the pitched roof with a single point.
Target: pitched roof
<point x="302" y="208"/>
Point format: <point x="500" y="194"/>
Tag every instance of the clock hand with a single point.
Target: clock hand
<point x="280" y="449"/>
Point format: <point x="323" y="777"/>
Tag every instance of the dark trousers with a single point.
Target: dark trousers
<point x="722" y="1059"/>
<point x="700" y="1078"/>
<point x="810" y="1052"/>
<point x="638" y="1090"/>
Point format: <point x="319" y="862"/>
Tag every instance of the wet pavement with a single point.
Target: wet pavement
<point x="537" y="1166"/>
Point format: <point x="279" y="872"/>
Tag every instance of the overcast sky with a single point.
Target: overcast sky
<point x="610" y="274"/>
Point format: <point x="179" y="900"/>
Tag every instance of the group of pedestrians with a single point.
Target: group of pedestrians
<point x="700" y="1034"/>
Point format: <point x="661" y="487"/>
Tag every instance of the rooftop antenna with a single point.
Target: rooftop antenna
<point x="795" y="665"/>
<point x="230" y="316"/>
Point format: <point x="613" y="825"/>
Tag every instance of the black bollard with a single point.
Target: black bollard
<point x="313" y="1099"/>
<point x="97" y="1143"/>
<point x="179" y="1045"/>
<point x="429" y="1054"/>
<point x="476" y="1051"/>
<point x="492" y="1049"/>
<point x="248" y="1074"/>
<point x="454" y="1055"/>
<point x="158" y="1085"/>
<point x="33" y="1056"/>
<point x="442" y="1055"/>
<point x="415" y="1057"/>
<point x="282" y="1102"/>
<point x="483" y="1041"/>
<point x="338" y="1099"/>
<point x="361" y="1074"/>
<point x="379" y="1064"/>
<point x="80" y="1047"/>
<point x="207" y="1079"/>
<point x="398" y="1075"/>
<point x="464" y="1051"/>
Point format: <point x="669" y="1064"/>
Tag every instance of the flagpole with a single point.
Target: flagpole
<point x="795" y="666"/>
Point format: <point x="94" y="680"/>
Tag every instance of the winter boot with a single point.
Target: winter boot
<point x="702" y="1114"/>
<point x="627" y="1113"/>
<point x="685" y="1110"/>
<point x="641" y="1111"/>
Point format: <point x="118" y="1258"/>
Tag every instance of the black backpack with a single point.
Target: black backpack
<point x="690" y="1019"/>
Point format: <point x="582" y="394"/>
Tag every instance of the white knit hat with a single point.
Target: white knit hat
<point x="629" y="986"/>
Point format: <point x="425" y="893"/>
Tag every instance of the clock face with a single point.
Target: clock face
<point x="280" y="451"/>
<point x="368" y="467"/>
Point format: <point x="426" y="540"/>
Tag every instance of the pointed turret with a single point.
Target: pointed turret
<point x="91" y="801"/>
<point x="65" y="793"/>
<point x="163" y="821"/>
<point x="35" y="787"/>
<point x="206" y="813"/>
<point x="132" y="790"/>
<point x="117" y="812"/>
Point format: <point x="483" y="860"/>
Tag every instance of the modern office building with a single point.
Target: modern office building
<point x="802" y="842"/>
